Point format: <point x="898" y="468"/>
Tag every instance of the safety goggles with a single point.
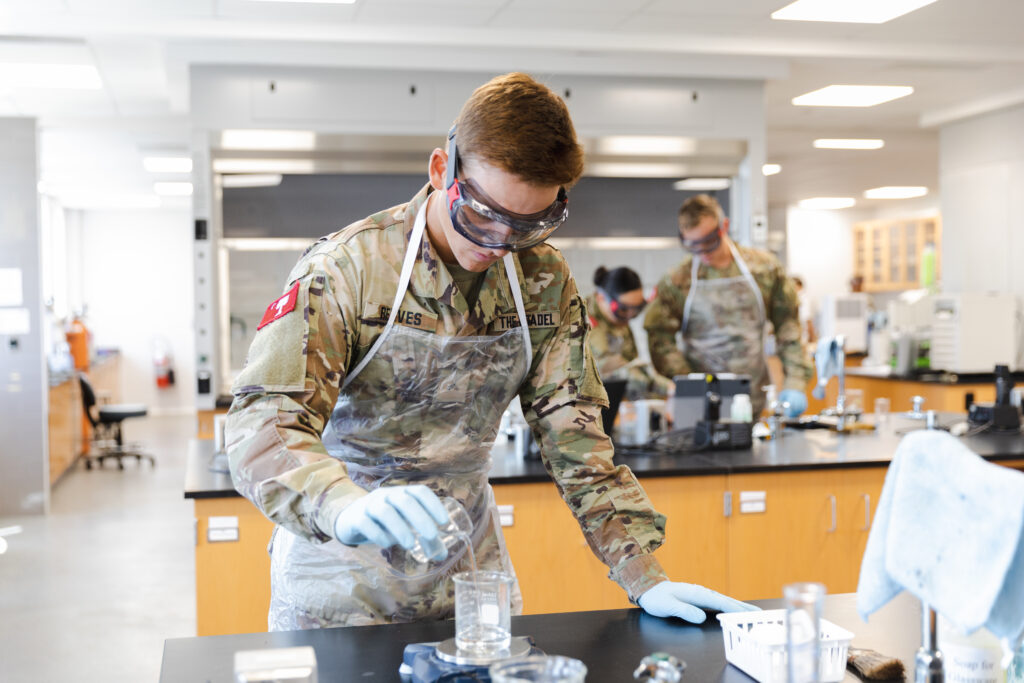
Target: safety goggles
<point x="704" y="245"/>
<point x="622" y="311"/>
<point x="486" y="224"/>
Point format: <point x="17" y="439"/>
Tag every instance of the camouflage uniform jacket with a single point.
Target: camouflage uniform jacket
<point x="665" y="315"/>
<point x="614" y="348"/>
<point x="347" y="281"/>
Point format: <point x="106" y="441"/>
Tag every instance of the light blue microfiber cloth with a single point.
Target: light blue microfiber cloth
<point x="949" y="529"/>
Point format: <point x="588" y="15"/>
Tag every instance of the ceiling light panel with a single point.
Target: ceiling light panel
<point x="825" y="203"/>
<point x="848" y="11"/>
<point x="702" y="184"/>
<point x="647" y="145"/>
<point x="771" y="169"/>
<point x="896" y="192"/>
<point x="849" y="143"/>
<point x="268" y="139"/>
<point x="252" y="180"/>
<point x="57" y="76"/>
<point x="852" y="95"/>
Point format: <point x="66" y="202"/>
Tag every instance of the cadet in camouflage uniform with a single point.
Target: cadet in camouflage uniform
<point x="376" y="383"/>
<point x="620" y="298"/>
<point x="720" y="297"/>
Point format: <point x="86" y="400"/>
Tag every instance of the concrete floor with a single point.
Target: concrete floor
<point x="91" y="591"/>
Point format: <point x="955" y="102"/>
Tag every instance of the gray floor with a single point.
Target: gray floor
<point x="91" y="591"/>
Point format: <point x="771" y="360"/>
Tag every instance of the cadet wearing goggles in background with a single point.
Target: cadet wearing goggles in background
<point x="376" y="383"/>
<point x="720" y="298"/>
<point x="618" y="300"/>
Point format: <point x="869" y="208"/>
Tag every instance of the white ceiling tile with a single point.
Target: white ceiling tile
<point x="143" y="8"/>
<point x="291" y="12"/>
<point x="451" y="15"/>
<point x="542" y="8"/>
<point x="522" y="17"/>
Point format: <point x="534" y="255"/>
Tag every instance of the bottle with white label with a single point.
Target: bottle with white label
<point x="741" y="409"/>
<point x="974" y="658"/>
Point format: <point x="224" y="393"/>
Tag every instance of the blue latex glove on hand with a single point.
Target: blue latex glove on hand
<point x="796" y="399"/>
<point x="391" y="515"/>
<point x="684" y="600"/>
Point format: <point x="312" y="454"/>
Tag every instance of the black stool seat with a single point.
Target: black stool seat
<point x="121" y="411"/>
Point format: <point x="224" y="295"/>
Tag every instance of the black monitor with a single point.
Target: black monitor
<point x="616" y="389"/>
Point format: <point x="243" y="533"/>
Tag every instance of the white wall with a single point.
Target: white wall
<point x="136" y="270"/>
<point x="982" y="173"/>
<point x="819" y="246"/>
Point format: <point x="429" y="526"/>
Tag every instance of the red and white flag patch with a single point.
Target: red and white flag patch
<point x="281" y="306"/>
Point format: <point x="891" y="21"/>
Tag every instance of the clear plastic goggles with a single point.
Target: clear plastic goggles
<point x="704" y="245"/>
<point x="480" y="219"/>
<point x="622" y="311"/>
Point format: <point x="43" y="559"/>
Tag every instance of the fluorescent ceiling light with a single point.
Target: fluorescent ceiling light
<point x="852" y="11"/>
<point x="647" y="145"/>
<point x="95" y="200"/>
<point x="702" y="184"/>
<point x="771" y="169"/>
<point x="313" y="2"/>
<point x="267" y="139"/>
<point x="175" y="189"/>
<point x="896" y="192"/>
<point x="69" y="76"/>
<point x="232" y="165"/>
<point x="849" y="143"/>
<point x="251" y="180"/>
<point x="167" y="164"/>
<point x="609" y="169"/>
<point x="852" y="95"/>
<point x="818" y="203"/>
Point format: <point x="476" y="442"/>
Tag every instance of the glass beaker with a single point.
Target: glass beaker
<point x="483" y="611"/>
<point x="546" y="668"/>
<point x="855" y="401"/>
<point x="803" y="631"/>
<point x="458" y="529"/>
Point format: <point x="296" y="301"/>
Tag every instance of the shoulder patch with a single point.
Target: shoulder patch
<point x="280" y="307"/>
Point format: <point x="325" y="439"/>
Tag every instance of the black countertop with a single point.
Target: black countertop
<point x="796" y="450"/>
<point x="610" y="642"/>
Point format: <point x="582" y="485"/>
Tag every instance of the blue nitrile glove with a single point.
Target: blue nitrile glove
<point x="684" y="600"/>
<point x="796" y="399"/>
<point x="390" y="516"/>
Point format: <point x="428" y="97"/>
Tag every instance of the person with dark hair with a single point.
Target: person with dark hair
<point x="721" y="297"/>
<point x="376" y="383"/>
<point x="619" y="298"/>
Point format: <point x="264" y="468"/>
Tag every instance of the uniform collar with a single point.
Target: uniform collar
<point x="431" y="280"/>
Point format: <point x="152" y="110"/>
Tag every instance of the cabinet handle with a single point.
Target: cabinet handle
<point x="867" y="511"/>
<point x="832" y="501"/>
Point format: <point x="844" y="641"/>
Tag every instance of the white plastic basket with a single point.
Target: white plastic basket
<point x="750" y="647"/>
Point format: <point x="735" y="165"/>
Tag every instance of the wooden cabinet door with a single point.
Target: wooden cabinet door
<point x="858" y="494"/>
<point x="795" y="538"/>
<point x="557" y="570"/>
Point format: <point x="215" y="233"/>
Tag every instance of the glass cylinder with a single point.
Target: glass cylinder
<point x="483" y="612"/>
<point x="546" y="668"/>
<point x="804" y="603"/>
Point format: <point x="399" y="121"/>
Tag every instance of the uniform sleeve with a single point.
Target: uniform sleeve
<point x="283" y="399"/>
<point x="562" y="398"/>
<point x="785" y="316"/>
<point x="663" y="320"/>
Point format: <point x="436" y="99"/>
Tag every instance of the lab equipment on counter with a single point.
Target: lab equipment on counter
<point x="700" y="402"/>
<point x="276" y="665"/>
<point x="755" y="643"/>
<point x="874" y="666"/>
<point x="1002" y="415"/>
<point x="422" y="663"/>
<point x="539" y="668"/>
<point x="846" y="315"/>
<point x="660" y="667"/>
<point x="804" y="602"/>
<point x="483" y="612"/>
<point x="830" y="359"/>
<point x="975" y="657"/>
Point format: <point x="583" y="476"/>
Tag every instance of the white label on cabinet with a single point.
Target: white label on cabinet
<point x="507" y="515"/>
<point x="222" y="529"/>
<point x="752" y="502"/>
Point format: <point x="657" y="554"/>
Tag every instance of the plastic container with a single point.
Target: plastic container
<point x="755" y="643"/>
<point x="741" y="410"/>
<point x="547" y="668"/>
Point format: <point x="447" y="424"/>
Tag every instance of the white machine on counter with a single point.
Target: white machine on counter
<point x="846" y="316"/>
<point x="974" y="332"/>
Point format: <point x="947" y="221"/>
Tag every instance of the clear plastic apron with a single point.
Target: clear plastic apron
<point x="420" y="408"/>
<point x="723" y="327"/>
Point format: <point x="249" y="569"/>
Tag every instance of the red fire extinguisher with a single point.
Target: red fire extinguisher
<point x="163" y="364"/>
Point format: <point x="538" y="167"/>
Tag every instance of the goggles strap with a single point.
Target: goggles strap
<point x="453" y="160"/>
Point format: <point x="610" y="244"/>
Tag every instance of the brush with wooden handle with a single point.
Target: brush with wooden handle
<point x="874" y="666"/>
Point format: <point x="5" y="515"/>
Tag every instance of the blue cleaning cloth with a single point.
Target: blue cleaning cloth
<point x="826" y="361"/>
<point x="949" y="529"/>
